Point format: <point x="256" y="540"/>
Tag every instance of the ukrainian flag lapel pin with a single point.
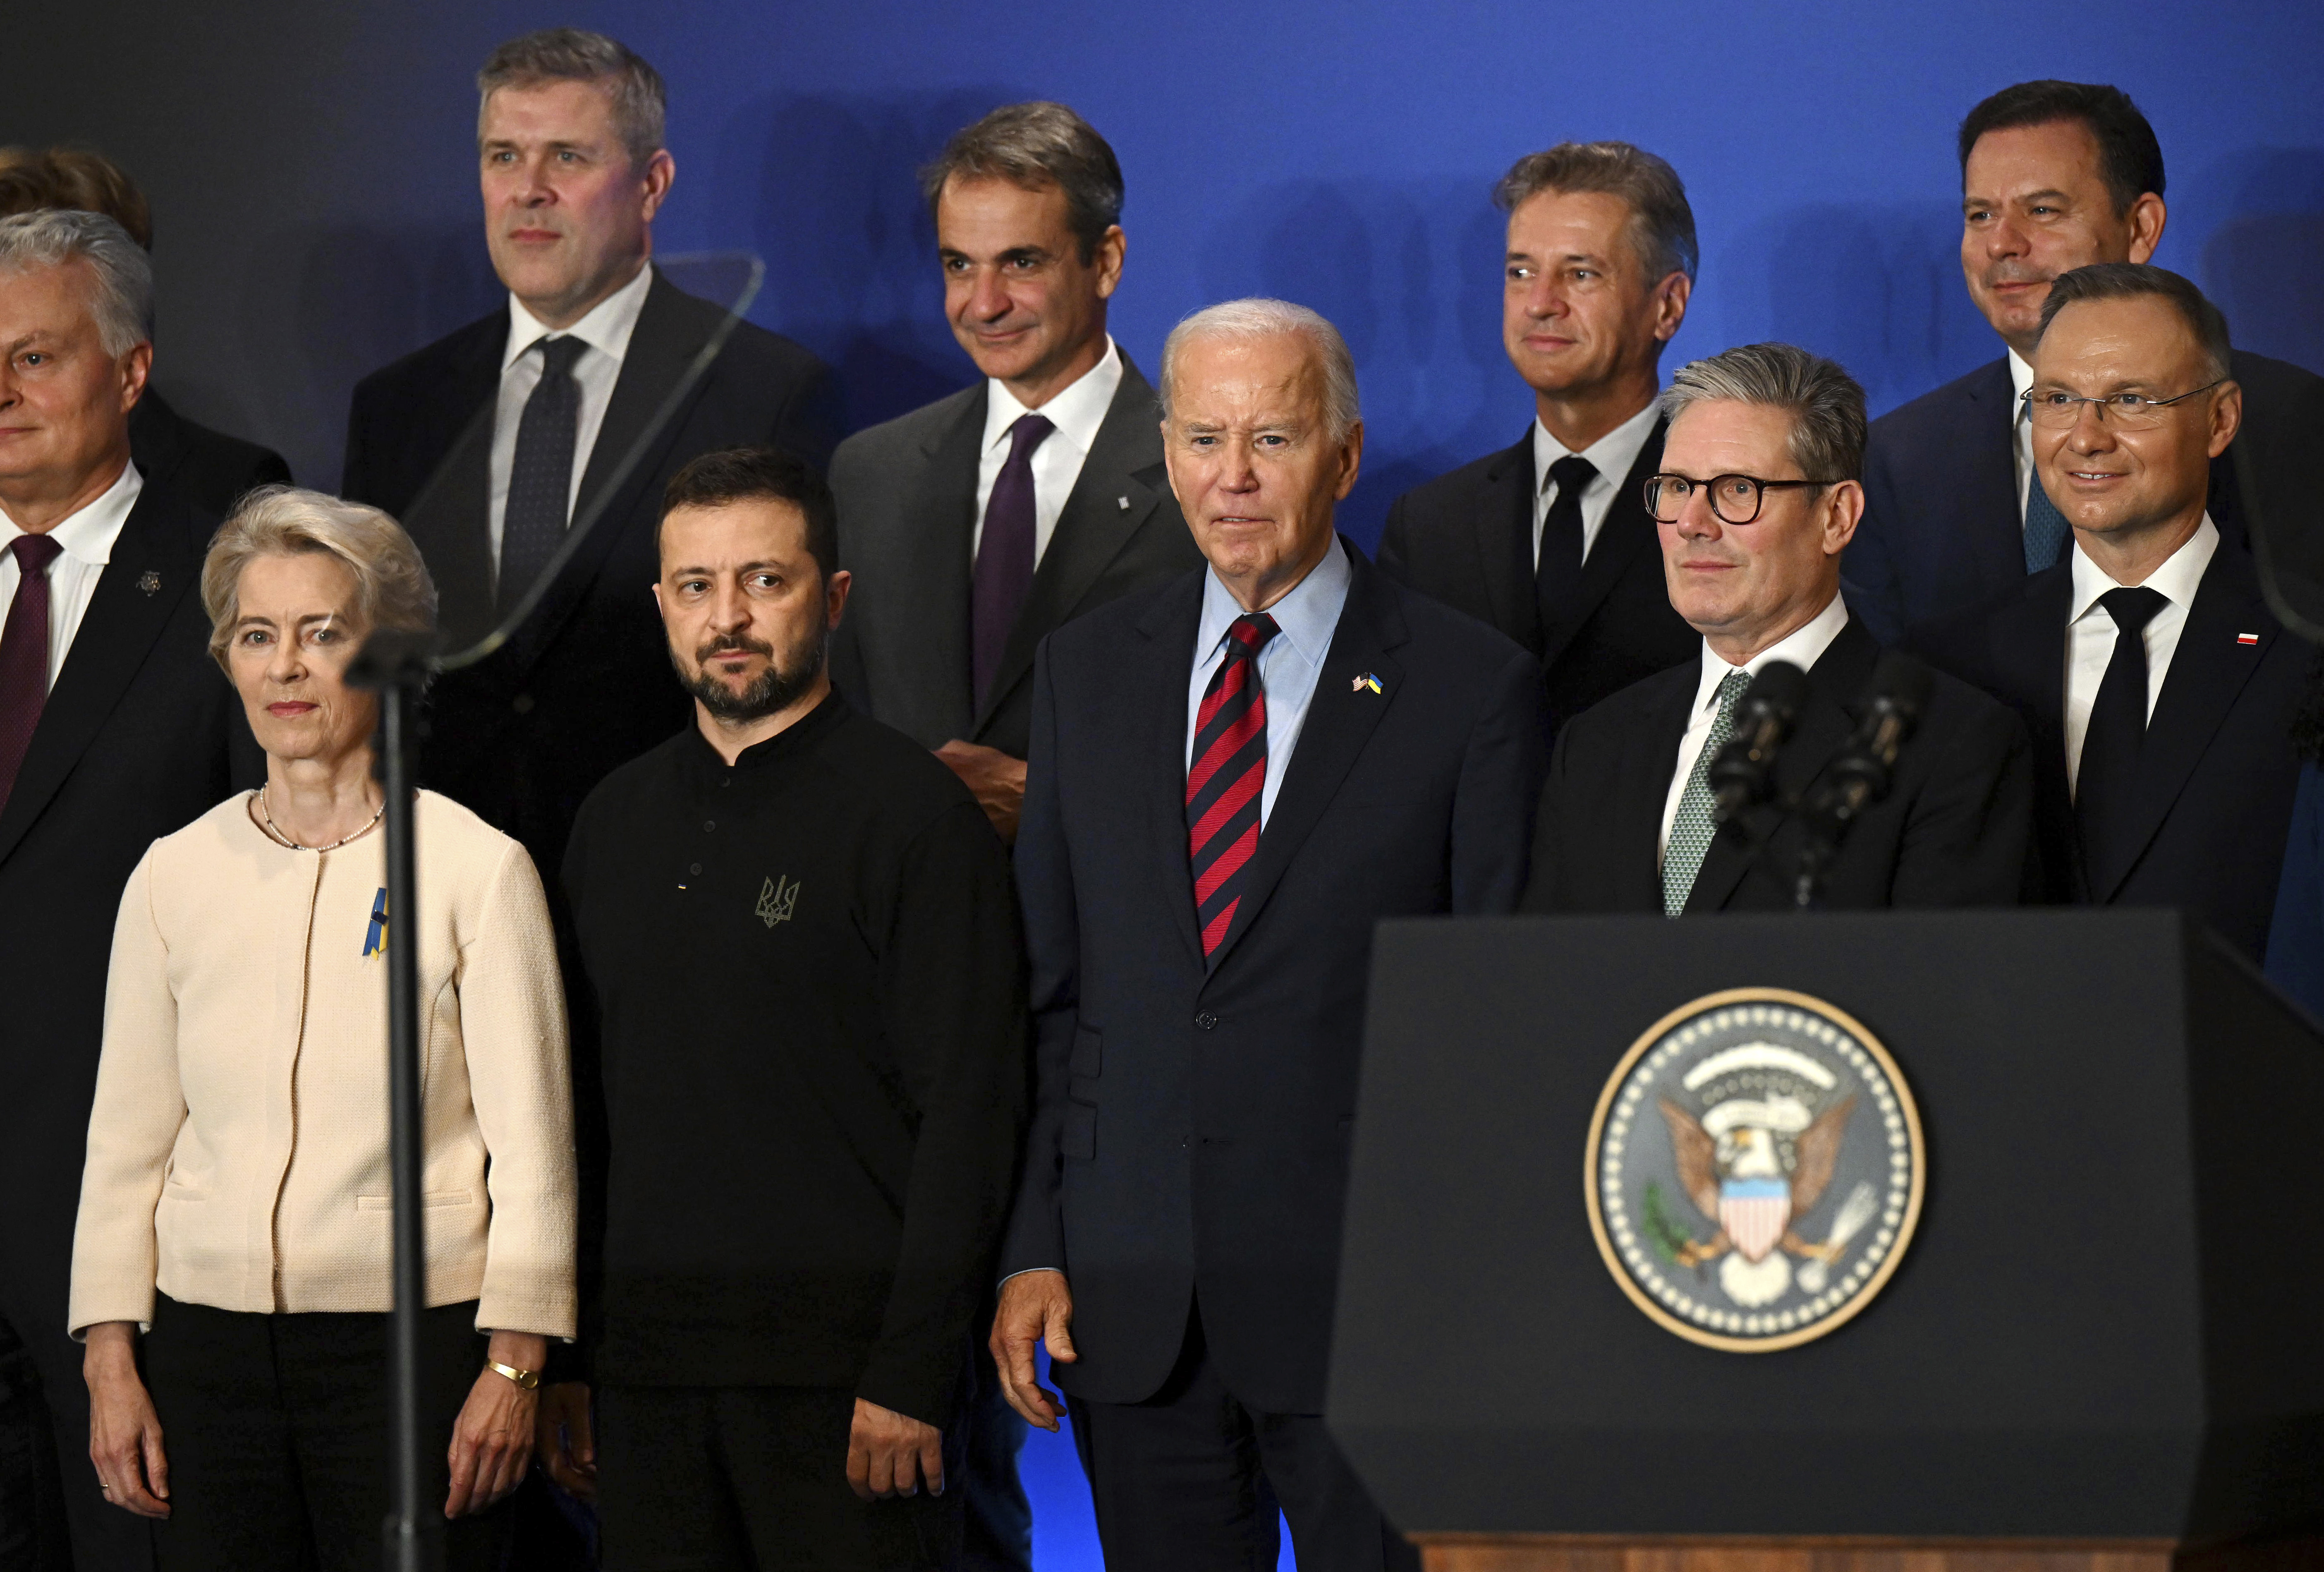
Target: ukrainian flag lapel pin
<point x="375" y="937"/>
<point x="1368" y="679"/>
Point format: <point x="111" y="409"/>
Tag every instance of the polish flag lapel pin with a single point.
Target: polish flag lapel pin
<point x="2246" y="638"/>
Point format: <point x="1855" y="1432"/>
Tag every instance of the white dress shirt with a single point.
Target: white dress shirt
<point x="606" y="331"/>
<point x="1076" y="413"/>
<point x="86" y="538"/>
<point x="1804" y="646"/>
<point x="2021" y="430"/>
<point x="2091" y="632"/>
<point x="1612" y="456"/>
<point x="1289" y="665"/>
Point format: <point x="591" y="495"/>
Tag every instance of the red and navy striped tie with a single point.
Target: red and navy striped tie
<point x="1227" y="777"/>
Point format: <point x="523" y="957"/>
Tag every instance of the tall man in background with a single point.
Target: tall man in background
<point x="115" y="728"/>
<point x="978" y="524"/>
<point x="2054" y="176"/>
<point x="488" y="443"/>
<point x="1549" y="541"/>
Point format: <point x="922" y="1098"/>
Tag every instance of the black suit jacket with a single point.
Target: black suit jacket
<point x="1941" y="533"/>
<point x="907" y="512"/>
<point x="141" y="735"/>
<point x="586" y="684"/>
<point x="1191" y="1121"/>
<point x="210" y="471"/>
<point x="1955" y="829"/>
<point x="2217" y="772"/>
<point x="1467" y="538"/>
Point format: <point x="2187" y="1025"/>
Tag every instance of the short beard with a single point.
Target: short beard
<point x="772" y="690"/>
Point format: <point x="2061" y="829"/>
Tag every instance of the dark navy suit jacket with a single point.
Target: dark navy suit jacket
<point x="1941" y="534"/>
<point x="1191" y="1123"/>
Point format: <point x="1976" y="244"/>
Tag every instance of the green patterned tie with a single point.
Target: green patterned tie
<point x="1691" y="829"/>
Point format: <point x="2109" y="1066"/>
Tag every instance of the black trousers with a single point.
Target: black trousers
<point x="277" y="1430"/>
<point x="752" y="1479"/>
<point x="1190" y="1480"/>
<point x="44" y="1449"/>
<point x="997" y="1533"/>
<point x="31" y="1500"/>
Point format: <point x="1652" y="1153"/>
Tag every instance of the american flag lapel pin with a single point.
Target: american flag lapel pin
<point x="2246" y="638"/>
<point x="1367" y="680"/>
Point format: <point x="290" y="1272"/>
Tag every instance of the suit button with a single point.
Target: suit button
<point x="521" y="704"/>
<point x="693" y="867"/>
<point x="708" y="825"/>
<point x="1207" y="1021"/>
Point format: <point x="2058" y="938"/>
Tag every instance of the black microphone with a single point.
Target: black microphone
<point x="1742" y="775"/>
<point x="1860" y="777"/>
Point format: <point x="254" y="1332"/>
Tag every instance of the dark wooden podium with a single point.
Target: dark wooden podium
<point x="2103" y="1352"/>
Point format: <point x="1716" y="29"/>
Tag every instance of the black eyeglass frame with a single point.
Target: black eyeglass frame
<point x="2058" y="398"/>
<point x="1760" y="488"/>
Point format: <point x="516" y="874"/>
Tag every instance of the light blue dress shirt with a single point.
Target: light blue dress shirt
<point x="1289" y="666"/>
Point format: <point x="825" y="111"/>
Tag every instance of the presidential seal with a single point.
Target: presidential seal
<point x="1755" y="1170"/>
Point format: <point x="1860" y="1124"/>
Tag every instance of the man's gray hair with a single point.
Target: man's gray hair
<point x="570" y="54"/>
<point x="123" y="301"/>
<point x="1032" y="145"/>
<point x="1662" y="223"/>
<point x="393" y="588"/>
<point x="1258" y="317"/>
<point x="1825" y="404"/>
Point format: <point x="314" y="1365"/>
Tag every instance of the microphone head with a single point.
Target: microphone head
<point x="1900" y="684"/>
<point x="1777" y="691"/>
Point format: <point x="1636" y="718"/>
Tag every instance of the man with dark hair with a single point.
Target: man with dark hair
<point x="2159" y="689"/>
<point x="2054" y="176"/>
<point x="488" y="444"/>
<point x="798" y="936"/>
<point x="978" y="524"/>
<point x="209" y="470"/>
<point x="1549" y="541"/>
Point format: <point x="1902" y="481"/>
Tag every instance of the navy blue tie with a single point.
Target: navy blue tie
<point x="540" y="477"/>
<point x="2046" y="529"/>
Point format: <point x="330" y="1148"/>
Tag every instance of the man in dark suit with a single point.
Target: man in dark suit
<point x="976" y="525"/>
<point x="1758" y="498"/>
<point x="1549" y="541"/>
<point x="115" y="728"/>
<point x="2054" y="176"/>
<point x="2159" y="689"/>
<point x="1234" y="777"/>
<point x="207" y="469"/>
<point x="489" y="443"/>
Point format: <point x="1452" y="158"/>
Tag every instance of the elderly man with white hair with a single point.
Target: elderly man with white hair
<point x="115" y="729"/>
<point x="1232" y="779"/>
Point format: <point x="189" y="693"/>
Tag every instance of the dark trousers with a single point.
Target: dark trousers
<point x="1190" y="1480"/>
<point x="31" y="1500"/>
<point x="48" y="1443"/>
<point x="752" y="1479"/>
<point x="997" y="1531"/>
<point x="277" y="1430"/>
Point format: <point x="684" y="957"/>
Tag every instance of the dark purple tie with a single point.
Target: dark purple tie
<point x="1004" y="553"/>
<point x="24" y="655"/>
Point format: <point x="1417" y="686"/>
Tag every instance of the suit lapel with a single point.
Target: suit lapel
<point x="1106" y="507"/>
<point x="1627" y="530"/>
<point x="447" y="518"/>
<point x="157" y="545"/>
<point x="2207" y="672"/>
<point x="933" y="599"/>
<point x="1504" y="536"/>
<point x="1339" y="722"/>
<point x="1634" y="813"/>
<point x="1988" y="498"/>
<point x="1158" y="697"/>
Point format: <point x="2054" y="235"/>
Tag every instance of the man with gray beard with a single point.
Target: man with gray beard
<point x="799" y="940"/>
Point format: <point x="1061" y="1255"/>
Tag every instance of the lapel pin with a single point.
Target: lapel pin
<point x="2246" y="638"/>
<point x="150" y="582"/>
<point x="1124" y="502"/>
<point x="1367" y="680"/>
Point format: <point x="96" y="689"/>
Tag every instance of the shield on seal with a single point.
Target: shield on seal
<point x="1754" y="1212"/>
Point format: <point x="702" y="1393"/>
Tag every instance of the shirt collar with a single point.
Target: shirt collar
<point x="86" y="535"/>
<point x="2021" y="379"/>
<point x="1611" y="456"/>
<point x="2176" y="580"/>
<point x="1076" y="413"/>
<point x="606" y="328"/>
<point x="1804" y="646"/>
<point x="1308" y="617"/>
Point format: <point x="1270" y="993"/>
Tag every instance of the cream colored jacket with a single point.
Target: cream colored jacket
<point x="237" y="1152"/>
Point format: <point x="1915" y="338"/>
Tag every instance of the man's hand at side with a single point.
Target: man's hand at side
<point x="1036" y="1306"/>
<point x="996" y="780"/>
<point x="889" y="1454"/>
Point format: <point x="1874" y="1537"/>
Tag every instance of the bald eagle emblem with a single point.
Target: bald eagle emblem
<point x="1755" y="1169"/>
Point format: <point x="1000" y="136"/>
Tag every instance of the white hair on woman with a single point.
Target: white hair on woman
<point x="392" y="590"/>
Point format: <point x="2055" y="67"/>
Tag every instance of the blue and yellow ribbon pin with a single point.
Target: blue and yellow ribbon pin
<point x="375" y="938"/>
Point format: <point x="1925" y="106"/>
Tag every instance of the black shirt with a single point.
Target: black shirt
<point x="809" y="996"/>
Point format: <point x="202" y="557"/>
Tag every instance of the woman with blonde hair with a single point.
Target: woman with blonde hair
<point x="232" y="1264"/>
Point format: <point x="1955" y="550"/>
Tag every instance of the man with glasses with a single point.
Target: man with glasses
<point x="2054" y="176"/>
<point x="1757" y="495"/>
<point x="2158" y="688"/>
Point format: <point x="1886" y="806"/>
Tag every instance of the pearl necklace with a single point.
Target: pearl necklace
<point x="283" y="840"/>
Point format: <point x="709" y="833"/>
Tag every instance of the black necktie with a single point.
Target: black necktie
<point x="540" y="477"/>
<point x="1559" y="566"/>
<point x="1004" y="553"/>
<point x="2103" y="785"/>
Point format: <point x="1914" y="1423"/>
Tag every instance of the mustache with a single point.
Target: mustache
<point x="734" y="643"/>
<point x="2015" y="273"/>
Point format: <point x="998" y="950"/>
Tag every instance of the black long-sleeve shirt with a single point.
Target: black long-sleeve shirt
<point x="809" y="994"/>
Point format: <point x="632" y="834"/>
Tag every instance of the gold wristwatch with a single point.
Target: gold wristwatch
<point x="526" y="1380"/>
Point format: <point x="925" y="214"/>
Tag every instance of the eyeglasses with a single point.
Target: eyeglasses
<point x="2053" y="410"/>
<point x="1735" y="498"/>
